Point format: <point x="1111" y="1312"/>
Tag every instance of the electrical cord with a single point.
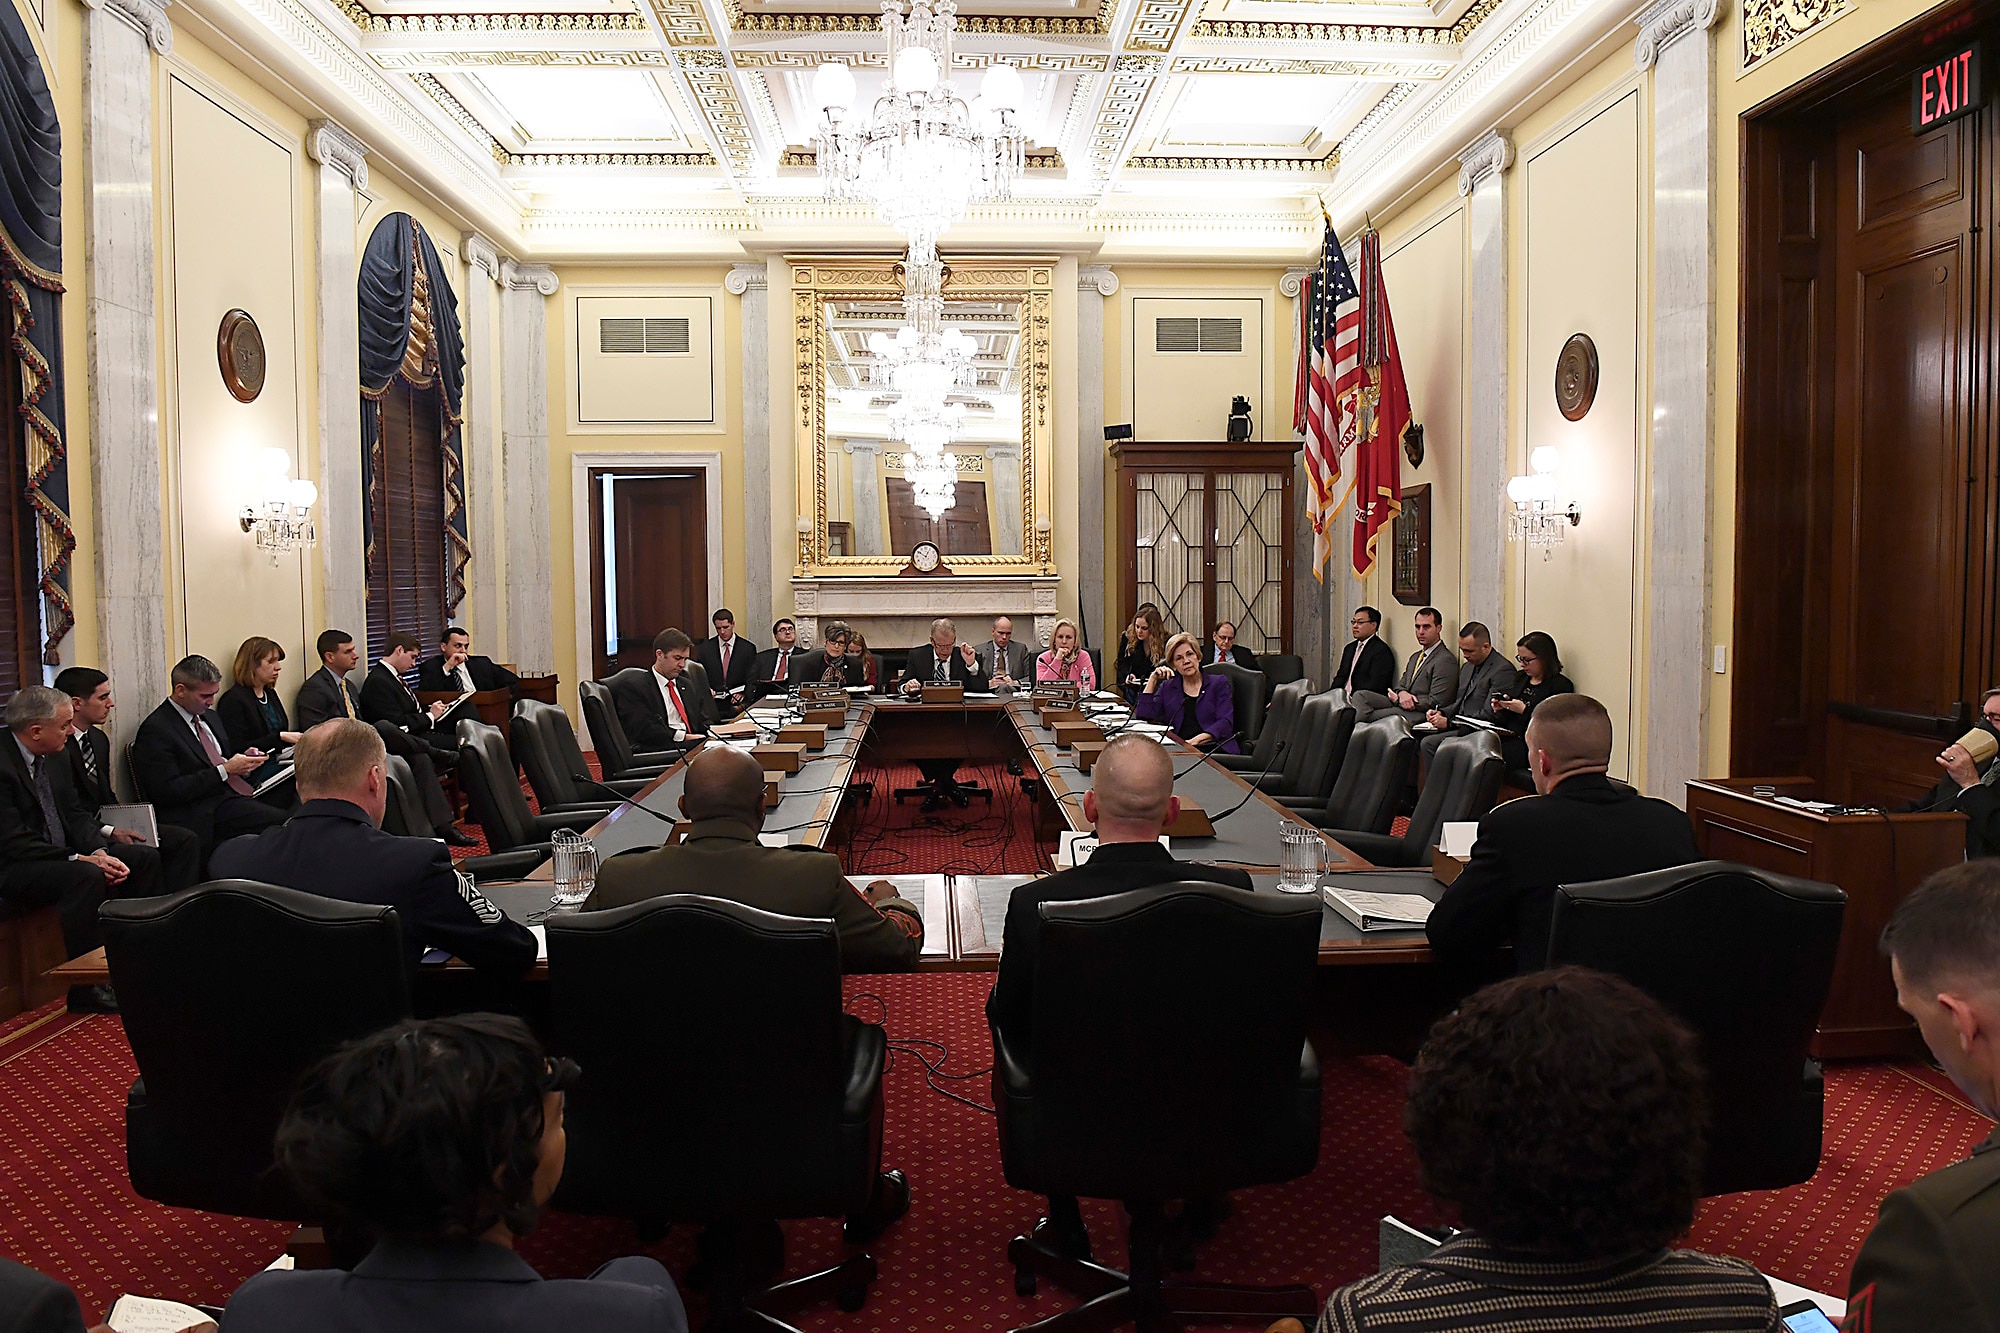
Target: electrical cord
<point x="914" y="1047"/>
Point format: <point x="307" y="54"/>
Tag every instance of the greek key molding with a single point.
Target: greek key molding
<point x="1381" y="34"/>
<point x="1050" y="62"/>
<point x="1392" y="70"/>
<point x="1663" y="21"/>
<point x="368" y="21"/>
<point x="411" y="61"/>
<point x="331" y="146"/>
<point x="714" y="92"/>
<point x="148" y="17"/>
<point x="1491" y="153"/>
<point x="1156" y="23"/>
<point x="1155" y="162"/>
<point x="1097" y="278"/>
<point x="683" y="22"/>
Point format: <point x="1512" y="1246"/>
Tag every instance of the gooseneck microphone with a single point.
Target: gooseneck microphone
<point x="1249" y="795"/>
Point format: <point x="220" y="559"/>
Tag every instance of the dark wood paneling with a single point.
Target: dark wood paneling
<point x="965" y="528"/>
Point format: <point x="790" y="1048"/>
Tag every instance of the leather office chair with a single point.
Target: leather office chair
<point x="1248" y="692"/>
<point x="1097" y="669"/>
<point x="1373" y="775"/>
<point x="722" y="1085"/>
<point x="1744" y="958"/>
<point x="1169" y="1060"/>
<point x="1282" y="667"/>
<point x="544" y="745"/>
<point x="1326" y="761"/>
<point x="404" y="815"/>
<point x="1316" y="714"/>
<point x="229" y="991"/>
<point x="1281" y="723"/>
<point x="607" y="734"/>
<point x="486" y="771"/>
<point x="1463" y="782"/>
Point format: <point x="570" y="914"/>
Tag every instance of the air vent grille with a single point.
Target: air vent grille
<point x="626" y="335"/>
<point x="1186" y="333"/>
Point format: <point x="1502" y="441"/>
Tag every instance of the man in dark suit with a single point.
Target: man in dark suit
<point x="670" y="706"/>
<point x="943" y="661"/>
<point x="178" y="762"/>
<point x="455" y="668"/>
<point x="334" y="846"/>
<point x="729" y="660"/>
<point x="1367" y="663"/>
<point x="33" y="1303"/>
<point x="325" y="693"/>
<point x="1971" y="786"/>
<point x="89" y="752"/>
<point x="1224" y="648"/>
<point x="1130" y="801"/>
<point x="724" y="801"/>
<point x="422" y="736"/>
<point x="1933" y="1259"/>
<point x="776" y="669"/>
<point x="1582" y="826"/>
<point x="1480" y="673"/>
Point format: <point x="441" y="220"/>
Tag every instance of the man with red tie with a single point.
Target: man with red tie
<point x="668" y="706"/>
<point x="773" y="673"/>
<point x="730" y="661"/>
<point x="178" y="763"/>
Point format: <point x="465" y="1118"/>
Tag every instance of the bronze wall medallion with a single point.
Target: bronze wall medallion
<point x="1576" y="376"/>
<point x="239" y="348"/>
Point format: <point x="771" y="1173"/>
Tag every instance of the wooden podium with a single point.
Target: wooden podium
<point x="1875" y="859"/>
<point x="496" y="707"/>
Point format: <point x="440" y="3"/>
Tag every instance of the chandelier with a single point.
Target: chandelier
<point x="932" y="478"/>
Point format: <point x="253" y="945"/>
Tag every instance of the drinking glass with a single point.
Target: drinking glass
<point x="575" y="869"/>
<point x="1302" y="858"/>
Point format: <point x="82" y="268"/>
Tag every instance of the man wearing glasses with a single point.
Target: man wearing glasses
<point x="1367" y="663"/>
<point x="1970" y="786"/>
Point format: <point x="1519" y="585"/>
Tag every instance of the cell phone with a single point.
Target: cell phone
<point x="1806" y="1317"/>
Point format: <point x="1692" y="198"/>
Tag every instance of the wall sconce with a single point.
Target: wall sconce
<point x="1535" y="515"/>
<point x="281" y="518"/>
<point x="805" y="541"/>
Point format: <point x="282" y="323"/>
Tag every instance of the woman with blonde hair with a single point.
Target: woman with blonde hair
<point x="1066" y="659"/>
<point x="1199" y="706"/>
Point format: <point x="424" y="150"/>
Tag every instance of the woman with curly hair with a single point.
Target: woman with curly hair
<point x="1559" y="1116"/>
<point x="1143" y="649"/>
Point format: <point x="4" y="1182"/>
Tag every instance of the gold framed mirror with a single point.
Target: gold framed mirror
<point x="862" y="519"/>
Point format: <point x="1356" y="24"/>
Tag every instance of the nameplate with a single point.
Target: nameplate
<point x="773" y="789"/>
<point x="1069" y="733"/>
<point x="1056" y="692"/>
<point x="944" y="694"/>
<point x="823" y="694"/>
<point x="812" y="736"/>
<point x="1087" y="752"/>
<point x="827" y="719"/>
<point x="779" y="758"/>
<point x="1055" y="713"/>
<point x="1445" y="869"/>
<point x="1191" y="822"/>
<point x="740" y="729"/>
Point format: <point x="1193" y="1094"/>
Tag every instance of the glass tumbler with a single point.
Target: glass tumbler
<point x="575" y="869"/>
<point x="1301" y="858"/>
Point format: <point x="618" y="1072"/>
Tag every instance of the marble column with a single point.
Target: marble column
<point x="1310" y="598"/>
<point x="1482" y="181"/>
<point x="1094" y="283"/>
<point x="120" y="39"/>
<point x="524" y="450"/>
<point x="343" y="546"/>
<point x="1674" y="43"/>
<point x="869" y="539"/>
<point x="752" y="283"/>
<point x="1003" y="497"/>
<point x="485" y="493"/>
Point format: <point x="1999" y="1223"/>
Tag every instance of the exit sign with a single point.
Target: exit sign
<point x="1945" y="89"/>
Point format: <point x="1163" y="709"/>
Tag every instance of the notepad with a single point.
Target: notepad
<point x="283" y="775"/>
<point x="146" y="1314"/>
<point x="1378" y="911"/>
<point x="137" y="819"/>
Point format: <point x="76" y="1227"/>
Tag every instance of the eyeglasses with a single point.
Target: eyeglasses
<point x="1525" y="658"/>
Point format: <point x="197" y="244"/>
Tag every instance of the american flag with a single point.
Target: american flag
<point x="1331" y="367"/>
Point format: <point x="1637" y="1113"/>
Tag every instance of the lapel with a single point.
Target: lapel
<point x="402" y="690"/>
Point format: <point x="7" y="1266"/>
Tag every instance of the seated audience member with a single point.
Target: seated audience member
<point x="1142" y="650"/>
<point x="1367" y="665"/>
<point x="454" y="667"/>
<point x="441" y="1138"/>
<point x="1581" y="826"/>
<point x="89" y="752"/>
<point x="830" y="663"/>
<point x="857" y="651"/>
<point x="1971" y="788"/>
<point x="1066" y="660"/>
<point x="1131" y="800"/>
<point x="335" y="847"/>
<point x="1559" y="1116"/>
<point x="669" y="708"/>
<point x="723" y="800"/>
<point x="181" y="761"/>
<point x="1933" y="1259"/>
<point x="1479" y="673"/>
<point x="251" y="711"/>
<point x="31" y="1302"/>
<point x="326" y="695"/>
<point x="774" y="671"/>
<point x="52" y="850"/>
<point x="385" y="697"/>
<point x="1222" y="647"/>
<point x="1540" y="677"/>
<point x="729" y="660"/>
<point x="1007" y="663"/>
<point x="1199" y="706"/>
<point x="1429" y="680"/>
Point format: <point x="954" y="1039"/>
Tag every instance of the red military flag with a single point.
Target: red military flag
<point x="1381" y="409"/>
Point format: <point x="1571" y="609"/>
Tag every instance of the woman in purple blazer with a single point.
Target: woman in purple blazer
<point x="1199" y="708"/>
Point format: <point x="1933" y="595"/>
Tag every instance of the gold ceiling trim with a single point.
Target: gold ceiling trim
<point x="729" y="131"/>
<point x="1180" y="162"/>
<point x="368" y="21"/>
<point x="684" y="22"/>
<point x="1001" y="25"/>
<point x="465" y="120"/>
<point x="1036" y="160"/>
<point x="1044" y="62"/>
<point x="410" y="61"/>
<point x="1380" y="34"/>
<point x="1344" y="69"/>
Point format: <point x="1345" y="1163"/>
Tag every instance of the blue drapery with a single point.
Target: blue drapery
<point x="409" y="328"/>
<point x="31" y="273"/>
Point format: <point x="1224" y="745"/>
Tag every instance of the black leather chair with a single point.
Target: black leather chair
<point x="607" y="734"/>
<point x="1169" y="1061"/>
<point x="1248" y="692"/>
<point x="1462" y="784"/>
<point x="1326" y="732"/>
<point x="1372" y="778"/>
<point x="1744" y="958"/>
<point x="229" y="992"/>
<point x="1281" y="723"/>
<point x="544" y="745"/>
<point x="722" y="1085"/>
<point x="1097" y="670"/>
<point x="1316" y="714"/>
<point x="405" y="816"/>
<point x="486" y="771"/>
<point x="1282" y="667"/>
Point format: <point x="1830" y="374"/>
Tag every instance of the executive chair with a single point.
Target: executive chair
<point x="1316" y="714"/>
<point x="722" y="1086"/>
<point x="1373" y="774"/>
<point x="607" y="735"/>
<point x="1463" y="782"/>
<point x="1169" y="1060"/>
<point x="544" y="745"/>
<point x="1281" y="723"/>
<point x="404" y="815"/>
<point x="1248" y="692"/>
<point x="487" y="772"/>
<point x="229" y="991"/>
<point x="1282" y="667"/>
<point x="1744" y="958"/>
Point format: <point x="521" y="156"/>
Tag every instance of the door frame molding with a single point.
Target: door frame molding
<point x="580" y="466"/>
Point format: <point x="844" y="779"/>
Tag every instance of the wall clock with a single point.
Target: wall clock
<point x="1576" y="377"/>
<point x="239" y="349"/>
<point x="925" y="560"/>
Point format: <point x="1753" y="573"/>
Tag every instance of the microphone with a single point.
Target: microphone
<point x="622" y="798"/>
<point x="1202" y="756"/>
<point x="1248" y="795"/>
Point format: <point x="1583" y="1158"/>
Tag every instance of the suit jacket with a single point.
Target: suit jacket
<point x="1979" y="803"/>
<point x="385" y="698"/>
<point x="24" y="833"/>
<point x="1435" y="681"/>
<point x="1114" y="867"/>
<point x="1019" y="660"/>
<point x="319" y="699"/>
<point x="742" y="663"/>
<point x="173" y="771"/>
<point x="33" y="1303"/>
<point x="763" y="668"/>
<point x="1474" y="696"/>
<point x="722" y="858"/>
<point x="331" y="848"/>
<point x="1238" y="654"/>
<point x="92" y="794"/>
<point x="1588" y="828"/>
<point x="1374" y="671"/>
<point x="807" y="668"/>
<point x="922" y="665"/>
<point x="1214" y="707"/>
<point x="1929" y="1262"/>
<point x="249" y="725"/>
<point x="642" y="709"/>
<point x="485" y="675"/>
<point x="457" y="1287"/>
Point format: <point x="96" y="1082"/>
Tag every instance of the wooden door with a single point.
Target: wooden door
<point x="657" y="573"/>
<point x="965" y="528"/>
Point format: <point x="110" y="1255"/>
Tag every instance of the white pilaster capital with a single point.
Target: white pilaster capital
<point x="744" y="277"/>
<point x="332" y="146"/>
<point x="528" y="277"/>
<point x="1491" y="153"/>
<point x="863" y="446"/>
<point x="1665" y="20"/>
<point x="482" y="254"/>
<point x="1294" y="281"/>
<point x="148" y="16"/>
<point x="1097" y="276"/>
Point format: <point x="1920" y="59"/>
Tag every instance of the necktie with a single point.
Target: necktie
<point x="214" y="753"/>
<point x="464" y="676"/>
<point x="346" y="701"/>
<point x="46" y="794"/>
<point x="725" y="659"/>
<point x="89" y="755"/>
<point x="674" y="693"/>
<point x="783" y="654"/>
<point x="943" y="665"/>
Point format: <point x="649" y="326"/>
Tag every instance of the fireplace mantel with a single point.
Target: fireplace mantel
<point x="896" y="612"/>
